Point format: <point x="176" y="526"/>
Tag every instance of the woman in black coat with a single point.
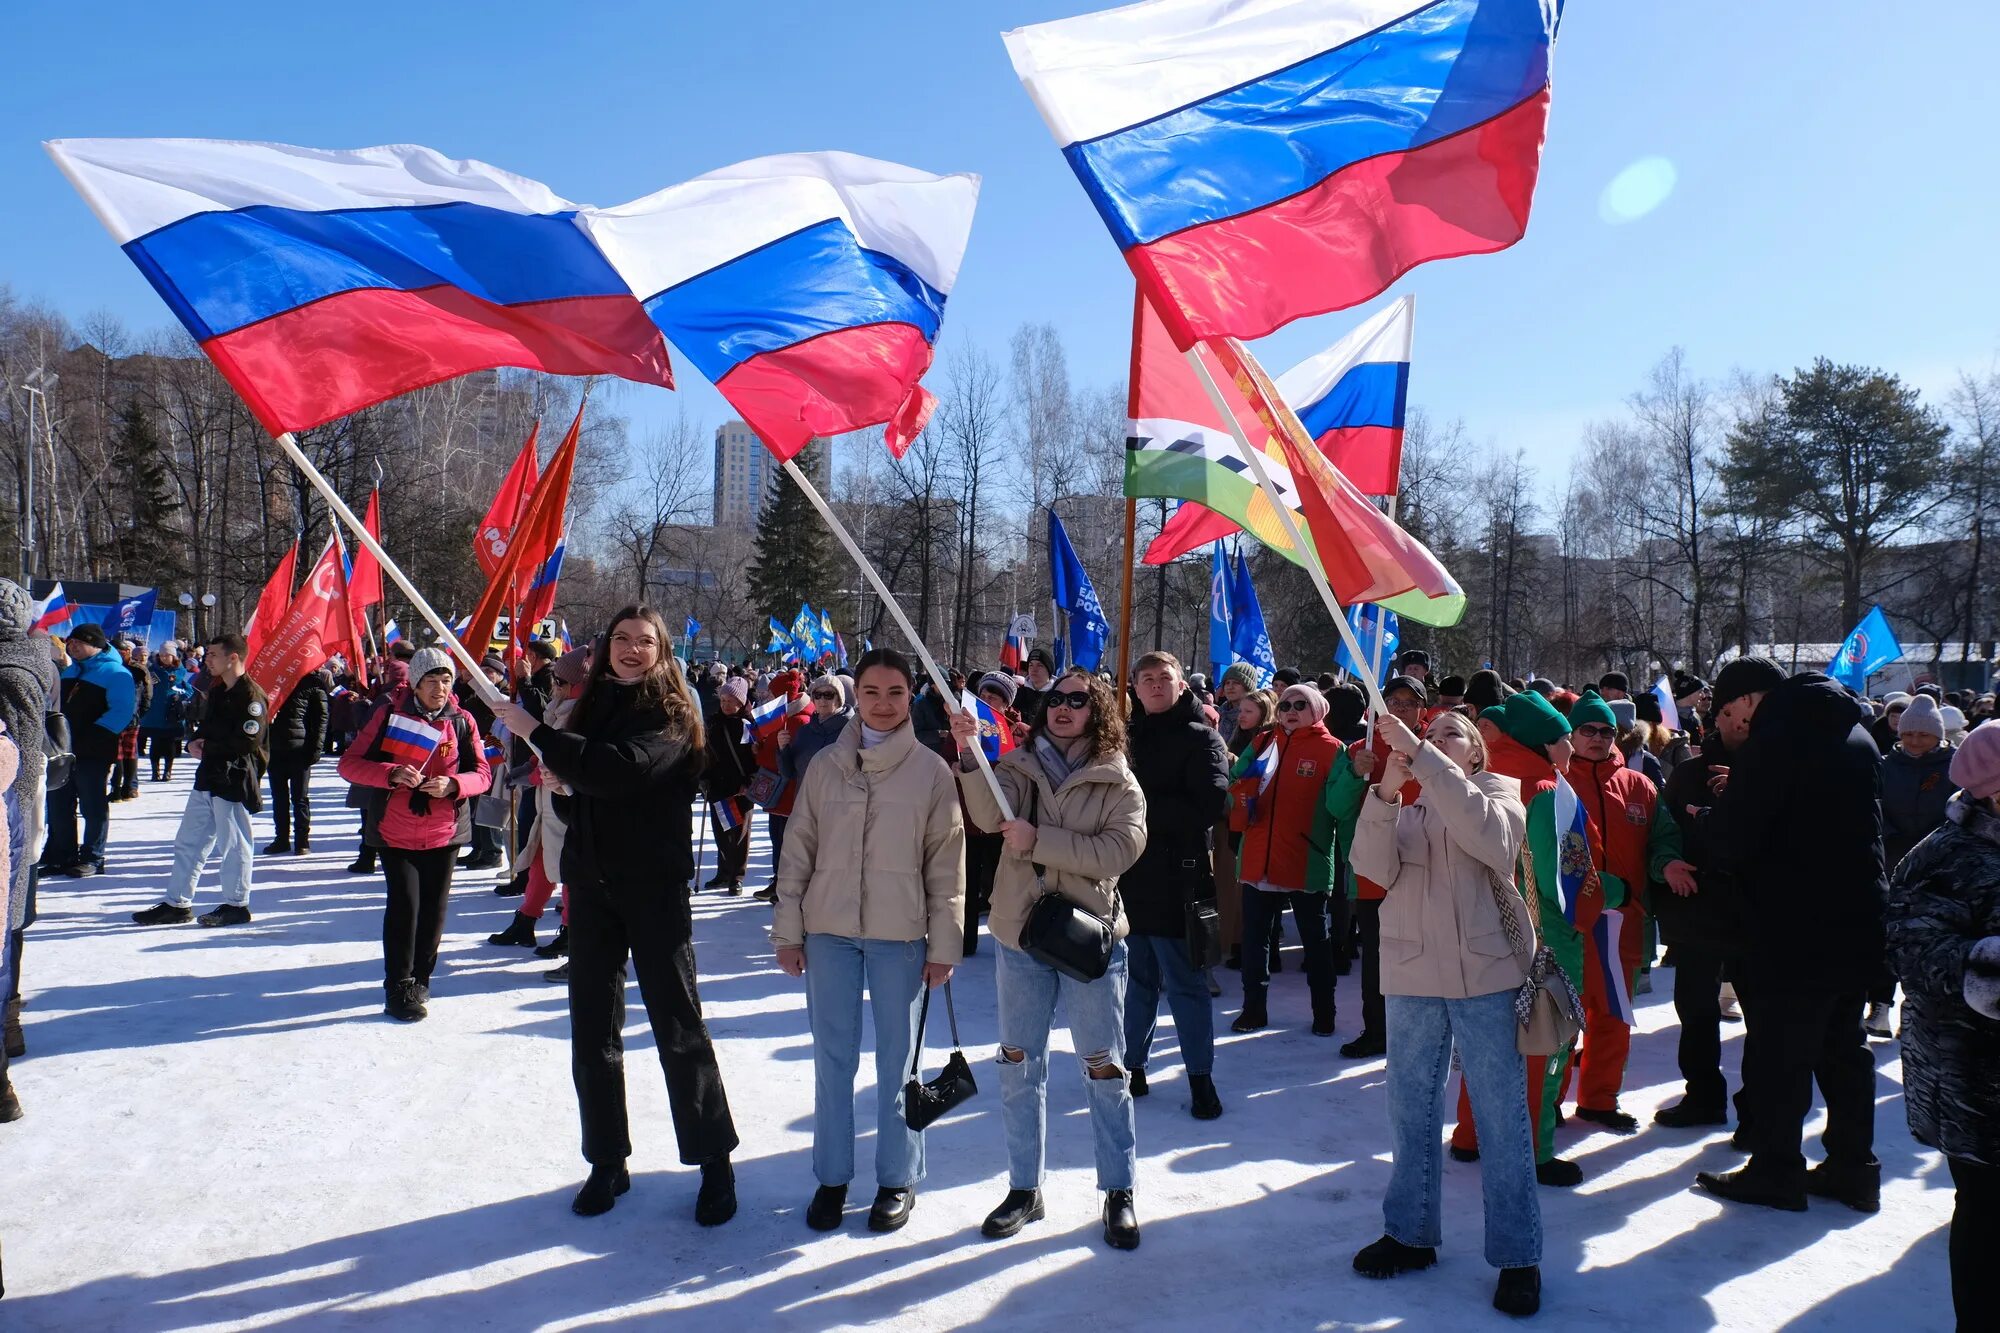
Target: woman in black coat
<point x="631" y="755"/>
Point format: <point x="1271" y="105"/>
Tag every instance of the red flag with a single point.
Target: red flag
<point x="504" y="515"/>
<point x="317" y="624"/>
<point x="271" y="603"/>
<point x="347" y="636"/>
<point x="535" y="540"/>
<point x="364" y="584"/>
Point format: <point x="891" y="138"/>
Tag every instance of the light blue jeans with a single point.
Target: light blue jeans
<point x="837" y="967"/>
<point x="1096" y="1010"/>
<point x="207" y="821"/>
<point x="1421" y="1033"/>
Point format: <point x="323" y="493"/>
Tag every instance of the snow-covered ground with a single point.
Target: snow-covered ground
<point x="224" y="1131"/>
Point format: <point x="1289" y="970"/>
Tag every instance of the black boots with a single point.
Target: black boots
<point x="404" y="1003"/>
<point x="892" y="1209"/>
<point x="1252" y="1019"/>
<point x="601" y="1191"/>
<point x="1207" y="1105"/>
<point x="716" y="1203"/>
<point x="512" y="888"/>
<point x="17" y="1045"/>
<point x="164" y="914"/>
<point x="1615" y="1120"/>
<point x="1389" y="1257"/>
<point x="1139" y="1087"/>
<point x="1323" y="1023"/>
<point x="1749" y="1185"/>
<point x="364" y="864"/>
<point x="1858" y="1185"/>
<point x="1019" y="1208"/>
<point x="1365" y="1047"/>
<point x="557" y="947"/>
<point x="1560" y="1173"/>
<point x="520" y="932"/>
<point x="1121" y="1224"/>
<point x="10" y="1104"/>
<point x="1691" y="1113"/>
<point x="282" y="847"/>
<point x="823" y="1213"/>
<point x="1519" y="1292"/>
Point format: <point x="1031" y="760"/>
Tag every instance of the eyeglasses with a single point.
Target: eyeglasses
<point x="828" y="696"/>
<point x="1077" y="699"/>
<point x="1293" y="705"/>
<point x="1597" y="732"/>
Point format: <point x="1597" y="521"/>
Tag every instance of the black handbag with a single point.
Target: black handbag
<point x="925" y="1102"/>
<point x="1204" y="922"/>
<point x="1060" y="934"/>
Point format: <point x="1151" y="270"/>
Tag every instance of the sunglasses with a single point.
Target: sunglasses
<point x="1596" y="732"/>
<point x="1077" y="699"/>
<point x="1293" y="706"/>
<point x="828" y="695"/>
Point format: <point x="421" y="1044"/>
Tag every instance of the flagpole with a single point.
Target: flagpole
<point x="804" y="483"/>
<point x="474" y="676"/>
<point x="1309" y="556"/>
<point x="1125" y="605"/>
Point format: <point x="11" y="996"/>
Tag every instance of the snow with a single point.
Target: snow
<point x="224" y="1131"/>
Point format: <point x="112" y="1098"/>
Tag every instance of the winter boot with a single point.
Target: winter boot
<point x="401" y="1002"/>
<point x="1207" y="1104"/>
<point x="1519" y="1292"/>
<point x="1690" y="1113"/>
<point x="1876" y="1024"/>
<point x="282" y="847"/>
<point x="823" y="1213"/>
<point x="716" y="1203"/>
<point x="512" y="888"/>
<point x="557" y="947"/>
<point x="364" y="864"/>
<point x="892" y="1209"/>
<point x="1121" y="1223"/>
<point x="1749" y="1185"/>
<point x="1139" y="1087"/>
<point x="601" y="1191"/>
<point x="10" y="1105"/>
<point x="1558" y="1172"/>
<point x="521" y="932"/>
<point x="1019" y="1208"/>
<point x="1365" y="1047"/>
<point x="1389" y="1257"/>
<point x="1858" y="1184"/>
<point x="1252" y="1019"/>
<point x="1615" y="1120"/>
<point x="16" y="1044"/>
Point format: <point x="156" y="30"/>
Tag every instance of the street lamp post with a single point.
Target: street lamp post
<point x="36" y="386"/>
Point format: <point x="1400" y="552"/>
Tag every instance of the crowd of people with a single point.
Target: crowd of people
<point x="1504" y="863"/>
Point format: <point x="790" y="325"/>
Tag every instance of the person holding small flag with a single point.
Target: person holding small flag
<point x="231" y="746"/>
<point x="732" y="762"/>
<point x="422" y="760"/>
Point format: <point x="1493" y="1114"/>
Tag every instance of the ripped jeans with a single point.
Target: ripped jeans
<point x="1096" y="1011"/>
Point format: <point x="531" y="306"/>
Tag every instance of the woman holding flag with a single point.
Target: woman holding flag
<point x="731" y="762"/>
<point x="423" y="761"/>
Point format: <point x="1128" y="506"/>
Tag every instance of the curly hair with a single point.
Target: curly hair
<point x="663" y="690"/>
<point x="1106" y="728"/>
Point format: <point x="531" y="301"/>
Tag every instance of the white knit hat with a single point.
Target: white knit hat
<point x="1921" y="715"/>
<point x="428" y="660"/>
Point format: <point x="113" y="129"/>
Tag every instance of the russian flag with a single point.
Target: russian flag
<point x="392" y="633"/>
<point x="1670" y="710"/>
<point x="807" y="287"/>
<point x="1263" y="160"/>
<point x="731" y="811"/>
<point x="1263" y="768"/>
<point x="768" y="717"/>
<point x="1604" y="933"/>
<point x="321" y="282"/>
<point x="995" y="736"/>
<point x="409" y="740"/>
<point x="1352" y="398"/>
<point x="51" y="611"/>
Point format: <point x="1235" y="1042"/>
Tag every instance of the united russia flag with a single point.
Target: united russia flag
<point x="410" y="740"/>
<point x="1258" y="161"/>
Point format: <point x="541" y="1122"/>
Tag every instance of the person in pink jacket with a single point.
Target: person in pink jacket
<point x="424" y="761"/>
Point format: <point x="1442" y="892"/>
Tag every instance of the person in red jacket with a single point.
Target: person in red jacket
<point x="790" y="686"/>
<point x="1641" y="844"/>
<point x="1288" y="852"/>
<point x="423" y="761"/>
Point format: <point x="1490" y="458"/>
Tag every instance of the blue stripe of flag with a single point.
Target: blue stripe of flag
<point x="1371" y="394"/>
<point x="1442" y="69"/>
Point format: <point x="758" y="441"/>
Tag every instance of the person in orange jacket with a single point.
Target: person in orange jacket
<point x="1641" y="844"/>
<point x="790" y="685"/>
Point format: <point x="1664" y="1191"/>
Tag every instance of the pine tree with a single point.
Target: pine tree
<point x="796" y="557"/>
<point x="149" y="550"/>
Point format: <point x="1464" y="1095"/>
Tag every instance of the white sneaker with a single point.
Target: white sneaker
<point x="1730" y="1013"/>
<point x="1877" y="1023"/>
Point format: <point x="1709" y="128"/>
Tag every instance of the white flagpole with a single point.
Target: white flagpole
<point x="937" y="675"/>
<point x="1309" y="557"/>
<point x="474" y="676"/>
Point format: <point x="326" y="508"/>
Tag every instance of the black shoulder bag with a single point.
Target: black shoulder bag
<point x="925" y="1102"/>
<point x="1204" y="922"/>
<point x="1069" y="938"/>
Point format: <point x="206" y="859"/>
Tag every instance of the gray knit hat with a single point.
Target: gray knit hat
<point x="1003" y="684"/>
<point x="1242" y="672"/>
<point x="1922" y="715"/>
<point x="428" y="660"/>
<point x="17" y="611"/>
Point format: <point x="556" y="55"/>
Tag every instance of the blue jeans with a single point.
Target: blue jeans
<point x="1159" y="963"/>
<point x="1421" y="1033"/>
<point x="893" y="970"/>
<point x="1027" y="994"/>
<point x="207" y="821"/>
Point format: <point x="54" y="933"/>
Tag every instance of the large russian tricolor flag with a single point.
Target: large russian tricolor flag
<point x="1352" y="398"/>
<point x="807" y="287"/>
<point x="321" y="282"/>
<point x="1263" y="160"/>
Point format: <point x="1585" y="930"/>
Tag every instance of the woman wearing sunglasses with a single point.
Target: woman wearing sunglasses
<point x="1287" y="858"/>
<point x="1079" y="823"/>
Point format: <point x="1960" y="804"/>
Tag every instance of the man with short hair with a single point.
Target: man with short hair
<point x="1416" y="664"/>
<point x="99" y="701"/>
<point x="1451" y="692"/>
<point x="1183" y="769"/>
<point x="1613" y="686"/>
<point x="1030" y="700"/>
<point x="231" y="745"/>
<point x="1798" y="824"/>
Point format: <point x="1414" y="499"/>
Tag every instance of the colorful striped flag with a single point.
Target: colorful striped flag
<point x="1263" y="768"/>
<point x="410" y="740"/>
<point x="995" y="736"/>
<point x="51" y="611"/>
<point x="731" y="811"/>
<point x="768" y="717"/>
<point x="392" y="632"/>
<point x="1572" y="847"/>
<point x="1611" y="968"/>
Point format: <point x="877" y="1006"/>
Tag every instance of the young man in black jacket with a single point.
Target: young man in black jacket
<point x="298" y="736"/>
<point x="1798" y="827"/>
<point x="1183" y="768"/>
<point x="231" y="747"/>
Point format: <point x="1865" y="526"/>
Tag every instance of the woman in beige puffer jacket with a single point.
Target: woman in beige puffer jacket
<point x="1079" y="823"/>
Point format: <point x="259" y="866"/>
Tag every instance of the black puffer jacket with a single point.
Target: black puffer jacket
<point x="1711" y="918"/>
<point x="298" y="732"/>
<point x="632" y="787"/>
<point x="1183" y="768"/>
<point x="732" y="761"/>
<point x="1800" y="828"/>
<point x="1943" y="905"/>
<point x="1914" y="794"/>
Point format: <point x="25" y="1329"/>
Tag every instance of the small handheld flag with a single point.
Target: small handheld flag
<point x="1263" y="768"/>
<point x="731" y="811"/>
<point x="392" y="633"/>
<point x="1670" y="712"/>
<point x="51" y="611"/>
<point x="1611" y="969"/>
<point x="410" y="740"/>
<point x="767" y="718"/>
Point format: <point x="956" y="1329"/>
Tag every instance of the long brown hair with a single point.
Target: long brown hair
<point x="663" y="690"/>
<point x="1106" y="730"/>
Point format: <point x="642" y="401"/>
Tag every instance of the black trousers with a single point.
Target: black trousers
<point x="732" y="845"/>
<point x="1263" y="910"/>
<point x="1975" y="1234"/>
<point x="419" y="887"/>
<point x="1368" y="916"/>
<point x="291" y="803"/>
<point x="655" y="927"/>
<point x="1794" y="1037"/>
<point x="1698" y="976"/>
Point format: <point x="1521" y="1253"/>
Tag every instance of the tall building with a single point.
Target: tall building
<point x="745" y="471"/>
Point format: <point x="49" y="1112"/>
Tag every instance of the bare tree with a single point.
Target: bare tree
<point x="667" y="491"/>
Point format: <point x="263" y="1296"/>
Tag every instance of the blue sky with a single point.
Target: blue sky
<point x="1835" y="191"/>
